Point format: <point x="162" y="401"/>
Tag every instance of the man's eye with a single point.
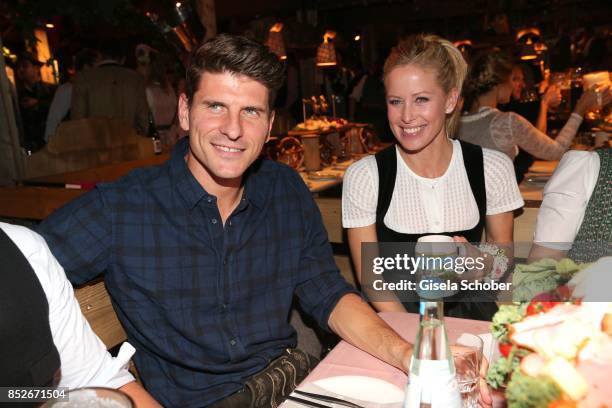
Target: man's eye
<point x="215" y="107"/>
<point x="251" y="112"/>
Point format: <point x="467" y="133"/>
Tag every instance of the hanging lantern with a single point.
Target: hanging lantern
<point x="275" y="41"/>
<point x="528" y="38"/>
<point x="326" y="53"/>
<point x="465" y="46"/>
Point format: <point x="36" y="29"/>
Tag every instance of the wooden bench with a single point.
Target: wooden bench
<point x="97" y="308"/>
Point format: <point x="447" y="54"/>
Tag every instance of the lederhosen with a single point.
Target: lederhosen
<point x="28" y="356"/>
<point x="386" y="161"/>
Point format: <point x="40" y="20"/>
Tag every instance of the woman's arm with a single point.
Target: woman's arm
<point x="539" y="144"/>
<point x="500" y="232"/>
<point x="368" y="234"/>
<point x="500" y="228"/>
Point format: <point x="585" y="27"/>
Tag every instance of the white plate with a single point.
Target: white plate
<point x="367" y="389"/>
<point x="323" y="176"/>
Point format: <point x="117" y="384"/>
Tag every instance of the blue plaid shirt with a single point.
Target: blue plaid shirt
<point x="205" y="304"/>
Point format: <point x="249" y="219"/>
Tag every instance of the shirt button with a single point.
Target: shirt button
<point x="233" y="342"/>
<point x="209" y="199"/>
<point x="214" y="220"/>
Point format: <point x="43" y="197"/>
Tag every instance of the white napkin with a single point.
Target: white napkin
<point x="593" y="283"/>
<point x="310" y="387"/>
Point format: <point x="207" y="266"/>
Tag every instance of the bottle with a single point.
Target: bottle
<point x="431" y="381"/>
<point x="154" y="135"/>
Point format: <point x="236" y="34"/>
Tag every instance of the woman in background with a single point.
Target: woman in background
<point x="489" y="84"/>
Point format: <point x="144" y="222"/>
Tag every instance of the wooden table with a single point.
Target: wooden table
<point x="533" y="192"/>
<point x="39" y="197"/>
<point x="327" y="130"/>
<point x="109" y="172"/>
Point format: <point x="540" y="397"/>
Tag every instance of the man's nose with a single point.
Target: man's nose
<point x="232" y="127"/>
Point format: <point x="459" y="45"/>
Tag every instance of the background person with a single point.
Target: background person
<point x="60" y="105"/>
<point x="34" y="98"/>
<point x="532" y="108"/>
<point x="111" y="90"/>
<point x="489" y="84"/>
<point x="575" y="218"/>
<point x="162" y="100"/>
<point x="46" y="340"/>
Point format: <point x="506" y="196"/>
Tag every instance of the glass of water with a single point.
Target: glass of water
<point x="467" y="354"/>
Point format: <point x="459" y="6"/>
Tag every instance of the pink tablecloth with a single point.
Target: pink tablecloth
<point x="345" y="359"/>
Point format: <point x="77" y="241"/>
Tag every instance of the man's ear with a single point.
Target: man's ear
<point x="183" y="112"/>
<point x="272" y="116"/>
<point x="451" y="100"/>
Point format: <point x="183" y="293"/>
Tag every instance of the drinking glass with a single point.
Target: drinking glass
<point x="467" y="355"/>
<point x="436" y="252"/>
<point x="563" y="81"/>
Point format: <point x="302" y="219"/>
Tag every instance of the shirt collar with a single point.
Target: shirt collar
<point x="258" y="179"/>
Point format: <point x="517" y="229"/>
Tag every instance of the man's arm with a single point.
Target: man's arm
<point x="141" y="398"/>
<point x="356" y="322"/>
<point x="80" y="235"/>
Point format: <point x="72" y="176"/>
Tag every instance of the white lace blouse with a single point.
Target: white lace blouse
<point x="421" y="205"/>
<point x="507" y="131"/>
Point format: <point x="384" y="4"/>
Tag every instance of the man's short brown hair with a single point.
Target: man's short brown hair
<point x="237" y="55"/>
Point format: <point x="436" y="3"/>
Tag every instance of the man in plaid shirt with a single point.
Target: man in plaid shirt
<point x="203" y="255"/>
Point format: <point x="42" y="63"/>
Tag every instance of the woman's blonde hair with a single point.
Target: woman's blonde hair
<point x="429" y="51"/>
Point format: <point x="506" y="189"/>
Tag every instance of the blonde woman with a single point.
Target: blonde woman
<point x="427" y="183"/>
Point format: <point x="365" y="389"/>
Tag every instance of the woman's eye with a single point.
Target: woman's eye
<point x="421" y="99"/>
<point x="394" y="101"/>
